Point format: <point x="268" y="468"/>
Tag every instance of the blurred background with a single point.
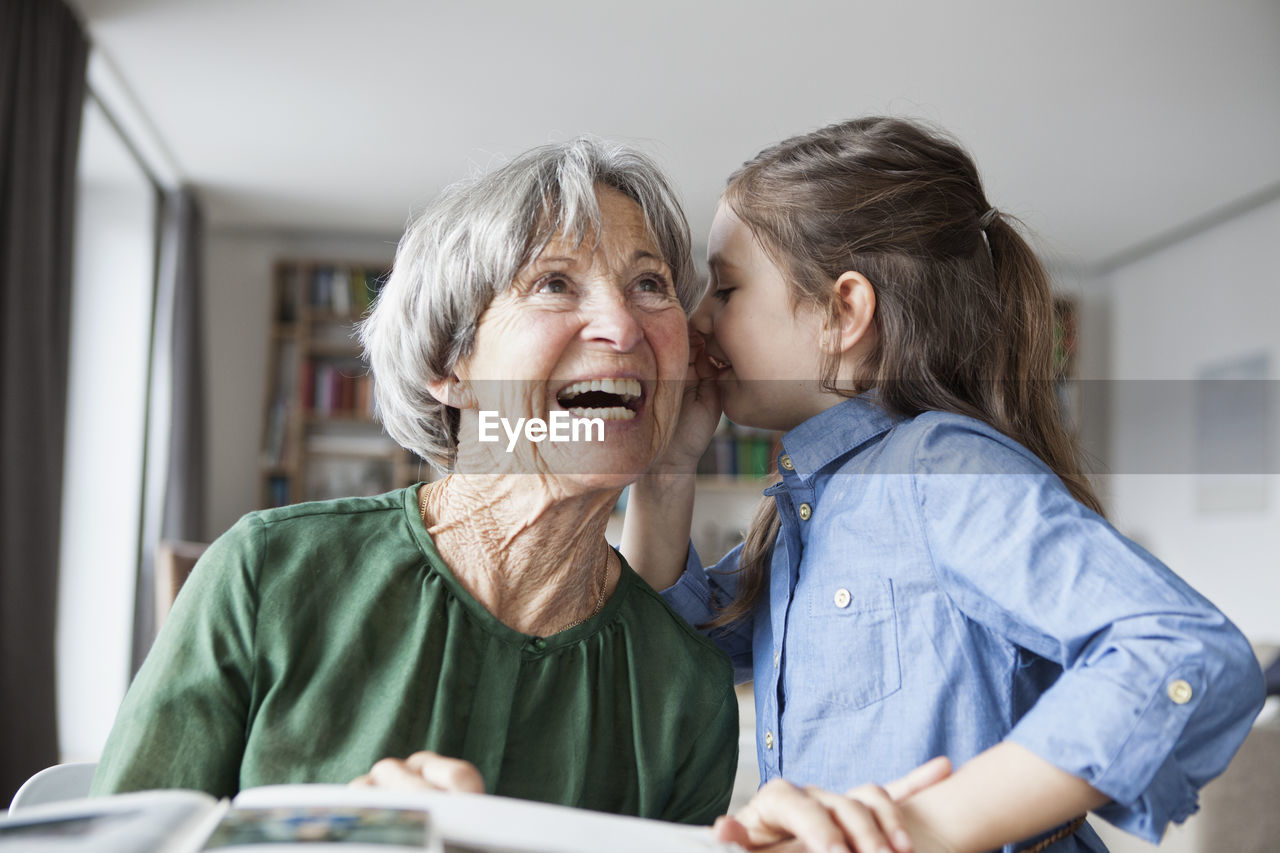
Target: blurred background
<point x="236" y="176"/>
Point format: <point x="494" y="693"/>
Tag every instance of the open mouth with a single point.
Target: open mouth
<point x="607" y="399"/>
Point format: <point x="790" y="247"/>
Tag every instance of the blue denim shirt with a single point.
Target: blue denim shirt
<point x="935" y="589"/>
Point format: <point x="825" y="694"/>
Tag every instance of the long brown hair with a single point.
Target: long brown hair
<point x="964" y="313"/>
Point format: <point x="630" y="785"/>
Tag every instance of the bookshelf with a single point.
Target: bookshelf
<point x="731" y="475"/>
<point x="320" y="439"/>
<point x="739" y="454"/>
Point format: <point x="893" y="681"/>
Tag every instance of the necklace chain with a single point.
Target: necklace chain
<point x="604" y="583"/>
<point x="604" y="574"/>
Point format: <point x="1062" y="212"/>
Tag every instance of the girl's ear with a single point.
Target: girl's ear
<point x="855" y="311"/>
<point x="452" y="392"/>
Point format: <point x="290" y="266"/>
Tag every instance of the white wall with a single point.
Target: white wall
<point x="1208" y="299"/>
<point x="237" y="308"/>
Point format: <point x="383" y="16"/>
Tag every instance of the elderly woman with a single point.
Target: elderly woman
<point x="482" y="617"/>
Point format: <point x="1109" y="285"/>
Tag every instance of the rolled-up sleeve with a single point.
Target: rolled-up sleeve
<point x="1158" y="688"/>
<point x="697" y="596"/>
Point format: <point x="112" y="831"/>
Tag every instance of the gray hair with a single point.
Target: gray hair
<point x="467" y="247"/>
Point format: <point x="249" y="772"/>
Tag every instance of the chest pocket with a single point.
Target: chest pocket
<point x="845" y="642"/>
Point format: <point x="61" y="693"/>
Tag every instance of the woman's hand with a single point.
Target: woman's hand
<point x="867" y="819"/>
<point x="423" y="771"/>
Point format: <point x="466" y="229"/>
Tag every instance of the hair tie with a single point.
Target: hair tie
<point x="985" y="220"/>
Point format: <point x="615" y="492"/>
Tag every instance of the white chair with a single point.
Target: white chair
<point x="54" y="784"/>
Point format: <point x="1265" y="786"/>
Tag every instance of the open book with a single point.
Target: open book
<point x="315" y="818"/>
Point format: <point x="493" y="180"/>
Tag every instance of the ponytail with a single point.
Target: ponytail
<point x="1024" y="403"/>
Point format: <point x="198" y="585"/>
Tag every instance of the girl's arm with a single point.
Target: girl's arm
<point x="1002" y="795"/>
<point x="655" y="532"/>
<point x="1158" y="688"/>
<point x="869" y="818"/>
<point x="1006" y="794"/>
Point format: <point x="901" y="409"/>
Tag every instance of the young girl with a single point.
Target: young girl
<point x="931" y="574"/>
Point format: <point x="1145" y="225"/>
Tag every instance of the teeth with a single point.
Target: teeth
<point x="628" y="389"/>
<point x="614" y="413"/>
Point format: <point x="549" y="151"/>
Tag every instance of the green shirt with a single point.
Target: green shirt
<point x="313" y="640"/>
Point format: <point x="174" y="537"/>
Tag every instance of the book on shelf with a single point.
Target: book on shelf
<point x="738" y="451"/>
<point x="344" y="291"/>
<point x="277" y="490"/>
<point x="337" y="388"/>
<point x="275" y="448"/>
<point x="315" y="818"/>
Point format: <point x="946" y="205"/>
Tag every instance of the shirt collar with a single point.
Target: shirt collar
<point x="836" y="432"/>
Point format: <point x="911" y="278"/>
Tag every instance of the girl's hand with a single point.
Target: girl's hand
<point x="699" y="413"/>
<point x="868" y="819"/>
<point x="655" y="534"/>
<point x="423" y="771"/>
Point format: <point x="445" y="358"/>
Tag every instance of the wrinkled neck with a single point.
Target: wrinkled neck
<point x="533" y="556"/>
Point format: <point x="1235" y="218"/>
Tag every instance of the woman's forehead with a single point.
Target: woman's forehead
<point x="622" y="232"/>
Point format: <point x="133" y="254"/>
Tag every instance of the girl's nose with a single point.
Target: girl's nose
<point x="701" y="319"/>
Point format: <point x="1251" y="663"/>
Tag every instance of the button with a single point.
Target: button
<point x="843" y="598"/>
<point x="768" y="740"/>
<point x="777" y="656"/>
<point x="538" y="644"/>
<point x="785" y="462"/>
<point x="805" y="512"/>
<point x="1180" y="692"/>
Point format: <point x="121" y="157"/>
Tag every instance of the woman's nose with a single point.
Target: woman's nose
<point x="614" y="321"/>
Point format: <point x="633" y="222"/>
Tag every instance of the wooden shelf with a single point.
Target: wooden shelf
<point x="319" y="437"/>
<point x="317" y="419"/>
<point x="730" y="482"/>
<point x="321" y="317"/>
<point x="336" y="349"/>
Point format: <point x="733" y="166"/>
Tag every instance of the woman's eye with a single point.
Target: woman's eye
<point x="551" y="284"/>
<point x="653" y="284"/>
<point x="722" y="293"/>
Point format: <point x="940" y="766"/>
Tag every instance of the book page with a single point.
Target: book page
<point x="480" y="823"/>
<point x="150" y="821"/>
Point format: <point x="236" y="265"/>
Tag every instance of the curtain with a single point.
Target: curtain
<point x="43" y="53"/>
<point x="173" y="500"/>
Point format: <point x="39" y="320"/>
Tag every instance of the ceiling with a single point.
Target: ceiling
<point x="1105" y="125"/>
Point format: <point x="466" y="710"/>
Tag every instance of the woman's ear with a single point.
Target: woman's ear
<point x="855" y="303"/>
<point x="452" y="392"/>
